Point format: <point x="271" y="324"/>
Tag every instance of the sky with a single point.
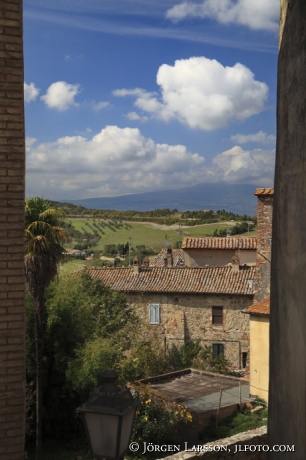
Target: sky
<point x="130" y="96"/>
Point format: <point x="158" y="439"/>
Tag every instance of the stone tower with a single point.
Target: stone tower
<point x="264" y="242"/>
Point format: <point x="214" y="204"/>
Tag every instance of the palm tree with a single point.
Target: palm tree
<point x="43" y="240"/>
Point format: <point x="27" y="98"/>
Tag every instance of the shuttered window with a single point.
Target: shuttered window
<point x="154" y="313"/>
<point x="217" y="315"/>
<point x="218" y="349"/>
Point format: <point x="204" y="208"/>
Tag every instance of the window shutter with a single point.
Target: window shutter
<point x="154" y="313"/>
<point x="157" y="314"/>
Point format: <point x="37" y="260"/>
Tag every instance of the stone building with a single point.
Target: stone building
<point x="183" y="303"/>
<point x="264" y="242"/>
<point x="217" y="251"/>
<point x="12" y="308"/>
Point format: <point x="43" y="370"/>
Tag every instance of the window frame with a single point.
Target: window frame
<point x="154" y="313"/>
<point x="217" y="315"/>
<point x="220" y="346"/>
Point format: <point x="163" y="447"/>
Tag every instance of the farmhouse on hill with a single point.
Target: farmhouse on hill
<point x="214" y="251"/>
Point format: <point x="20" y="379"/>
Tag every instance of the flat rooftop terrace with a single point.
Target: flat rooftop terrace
<point x="199" y="390"/>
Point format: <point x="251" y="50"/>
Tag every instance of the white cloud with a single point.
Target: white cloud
<point x="97" y="106"/>
<point x="135" y="117"/>
<point x="30" y="92"/>
<point x="238" y="165"/>
<point x="255" y="14"/>
<point x="118" y="161"/>
<point x="60" y="95"/>
<point x="202" y="93"/>
<point x="260" y="137"/>
<point x="113" y="162"/>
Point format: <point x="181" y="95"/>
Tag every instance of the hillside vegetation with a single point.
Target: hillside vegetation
<point x="114" y="233"/>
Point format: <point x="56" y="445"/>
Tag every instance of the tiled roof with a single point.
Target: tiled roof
<point x="264" y="191"/>
<point x="177" y="254"/>
<point x="215" y="280"/>
<point x="260" y="308"/>
<point x="228" y="242"/>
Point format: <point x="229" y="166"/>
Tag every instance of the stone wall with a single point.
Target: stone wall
<point x="238" y="448"/>
<point x="287" y="395"/>
<point x="185" y="317"/>
<point x="264" y="242"/>
<point x="12" y="309"/>
<point x="217" y="257"/>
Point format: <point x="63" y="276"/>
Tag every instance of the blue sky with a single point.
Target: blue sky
<point x="128" y="96"/>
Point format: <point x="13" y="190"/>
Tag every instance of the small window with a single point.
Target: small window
<point x="154" y="313"/>
<point x="244" y="359"/>
<point x="217" y="315"/>
<point x="218" y="349"/>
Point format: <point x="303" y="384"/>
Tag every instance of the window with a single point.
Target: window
<point x="217" y="315"/>
<point x="218" y="349"/>
<point x="154" y="313"/>
<point x="244" y="359"/>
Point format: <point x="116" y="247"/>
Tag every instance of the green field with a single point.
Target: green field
<point x="150" y="235"/>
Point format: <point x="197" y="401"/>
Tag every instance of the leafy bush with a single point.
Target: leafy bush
<point x="157" y="420"/>
<point x="192" y="354"/>
<point x="183" y="356"/>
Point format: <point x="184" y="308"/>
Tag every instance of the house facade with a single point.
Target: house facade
<point x="181" y="304"/>
<point x="259" y="347"/>
<point x="218" y="251"/>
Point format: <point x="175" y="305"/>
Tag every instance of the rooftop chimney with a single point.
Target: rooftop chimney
<point x="235" y="262"/>
<point x="169" y="258"/>
<point x="264" y="241"/>
<point x="136" y="265"/>
<point x="146" y="261"/>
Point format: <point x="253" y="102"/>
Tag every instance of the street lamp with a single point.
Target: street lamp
<point x="108" y="417"/>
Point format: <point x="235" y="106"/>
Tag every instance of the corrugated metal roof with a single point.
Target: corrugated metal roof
<point x="260" y="308"/>
<point x="264" y="191"/>
<point x="227" y="242"/>
<point x="215" y="280"/>
<point x="177" y="254"/>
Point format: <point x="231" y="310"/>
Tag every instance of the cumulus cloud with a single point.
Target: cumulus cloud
<point x="135" y="117"/>
<point x="260" y="137"/>
<point x="97" y="106"/>
<point x="255" y="14"/>
<point x="113" y="162"/>
<point x="202" y="93"/>
<point x="60" y="95"/>
<point x="30" y="92"/>
<point x="238" y="165"/>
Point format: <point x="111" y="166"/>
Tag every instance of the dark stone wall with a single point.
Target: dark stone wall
<point x="287" y="393"/>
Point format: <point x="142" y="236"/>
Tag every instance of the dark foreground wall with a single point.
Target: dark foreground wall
<point x="287" y="396"/>
<point x="12" y="315"/>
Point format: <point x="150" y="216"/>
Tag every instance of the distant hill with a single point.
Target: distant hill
<point x="236" y="198"/>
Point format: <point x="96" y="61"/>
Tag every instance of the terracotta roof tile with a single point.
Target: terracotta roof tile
<point x="215" y="280"/>
<point x="227" y="242"/>
<point x="177" y="254"/>
<point x="260" y="308"/>
<point x="264" y="191"/>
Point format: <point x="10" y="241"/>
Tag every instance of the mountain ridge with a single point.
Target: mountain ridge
<point x="236" y="198"/>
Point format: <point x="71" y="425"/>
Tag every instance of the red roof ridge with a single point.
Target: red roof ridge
<point x="264" y="191"/>
<point x="260" y="308"/>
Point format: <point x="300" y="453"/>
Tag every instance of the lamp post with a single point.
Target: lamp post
<point x="108" y="417"/>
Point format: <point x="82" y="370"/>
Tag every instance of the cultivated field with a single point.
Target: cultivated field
<point x="149" y="234"/>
